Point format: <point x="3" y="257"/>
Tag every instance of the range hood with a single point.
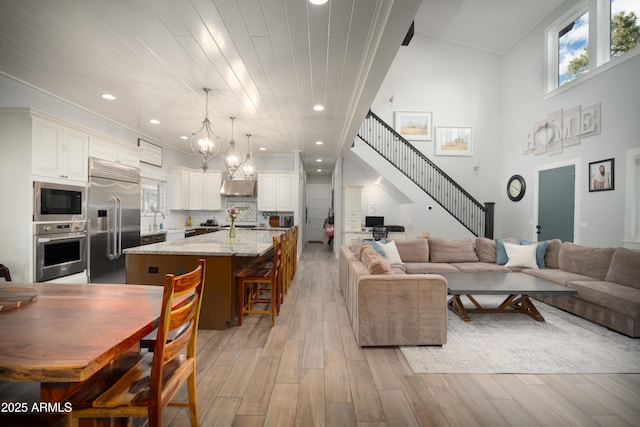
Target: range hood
<point x="239" y="187"/>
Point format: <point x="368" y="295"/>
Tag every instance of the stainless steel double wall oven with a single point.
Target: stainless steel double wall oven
<point x="60" y="230"/>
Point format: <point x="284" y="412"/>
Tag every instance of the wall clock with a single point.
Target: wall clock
<point x="516" y="188"/>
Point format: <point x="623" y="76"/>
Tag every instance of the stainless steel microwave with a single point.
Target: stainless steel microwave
<point x="59" y="202"/>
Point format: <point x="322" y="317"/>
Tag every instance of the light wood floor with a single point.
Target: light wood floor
<point x="308" y="371"/>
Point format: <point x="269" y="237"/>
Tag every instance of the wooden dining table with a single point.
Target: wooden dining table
<point x="69" y="332"/>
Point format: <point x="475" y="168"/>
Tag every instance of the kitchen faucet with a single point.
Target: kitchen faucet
<point x="155" y="215"/>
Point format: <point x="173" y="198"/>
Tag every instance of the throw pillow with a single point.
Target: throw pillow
<point x="501" y="255"/>
<point x="541" y="249"/>
<point x="391" y="253"/>
<point x="521" y="255"/>
<point x="445" y="250"/>
<point x="377" y="245"/>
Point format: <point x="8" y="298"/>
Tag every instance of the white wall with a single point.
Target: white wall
<point x="501" y="97"/>
<point x="461" y="87"/>
<point x="600" y="214"/>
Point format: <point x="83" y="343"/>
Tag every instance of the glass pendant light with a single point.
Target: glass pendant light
<point x="248" y="167"/>
<point x="204" y="143"/>
<point x="232" y="158"/>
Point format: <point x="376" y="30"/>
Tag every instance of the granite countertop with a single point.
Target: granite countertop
<point x="246" y="243"/>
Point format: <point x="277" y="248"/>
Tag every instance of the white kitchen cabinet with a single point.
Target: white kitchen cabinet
<point x="211" y="200"/>
<point x="276" y="192"/>
<point x="195" y="190"/>
<point x="191" y="189"/>
<point x="59" y="151"/>
<point x="114" y="151"/>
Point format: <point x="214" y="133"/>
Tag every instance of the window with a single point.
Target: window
<point x="625" y="26"/>
<point x="153" y="196"/>
<point x="573" y="49"/>
<point x="592" y="34"/>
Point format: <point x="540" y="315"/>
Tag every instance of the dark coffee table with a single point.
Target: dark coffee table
<point x="517" y="286"/>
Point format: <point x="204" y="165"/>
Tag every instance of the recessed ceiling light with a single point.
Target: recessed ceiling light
<point x="184" y="137"/>
<point x="108" y="96"/>
<point x="318" y="160"/>
<point x="319" y="142"/>
<point x="318" y="107"/>
<point x="262" y="149"/>
<point x="154" y="121"/>
<point x="318" y="2"/>
<point x="318" y="170"/>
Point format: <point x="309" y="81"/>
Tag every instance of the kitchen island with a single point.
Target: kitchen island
<point x="225" y="256"/>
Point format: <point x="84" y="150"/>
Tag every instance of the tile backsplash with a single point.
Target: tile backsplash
<point x="248" y="209"/>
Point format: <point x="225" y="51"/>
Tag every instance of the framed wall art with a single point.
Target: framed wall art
<point x="571" y="127"/>
<point x="414" y="126"/>
<point x="540" y="137"/>
<point x="453" y="141"/>
<point x="591" y="120"/>
<point x="150" y="153"/>
<point x="554" y="132"/>
<point x="601" y="175"/>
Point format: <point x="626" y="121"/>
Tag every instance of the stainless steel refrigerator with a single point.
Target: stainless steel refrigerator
<point x="114" y="218"/>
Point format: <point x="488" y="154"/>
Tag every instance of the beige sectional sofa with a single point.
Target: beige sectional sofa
<point x="607" y="281"/>
<point x="393" y="309"/>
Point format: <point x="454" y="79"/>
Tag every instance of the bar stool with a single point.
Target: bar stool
<point x="4" y="272"/>
<point x="255" y="283"/>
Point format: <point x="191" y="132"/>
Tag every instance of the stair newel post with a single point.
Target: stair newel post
<point x="488" y="219"/>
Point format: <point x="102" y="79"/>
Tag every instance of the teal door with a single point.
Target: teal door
<point x="556" y="199"/>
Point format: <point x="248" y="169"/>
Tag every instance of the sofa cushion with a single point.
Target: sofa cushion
<point x="445" y="250"/>
<point x="375" y="263"/>
<point x="552" y="252"/>
<point x="391" y="252"/>
<point x="622" y="298"/>
<point x="486" y="249"/>
<point x="521" y="255"/>
<point x="475" y="267"/>
<point x="413" y="250"/>
<point x="557" y="276"/>
<point x="592" y="262"/>
<point x="429" y="268"/>
<point x="501" y="254"/>
<point x="625" y="268"/>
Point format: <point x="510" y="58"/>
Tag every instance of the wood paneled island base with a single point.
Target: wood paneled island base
<point x="218" y="302"/>
<point x="225" y="256"/>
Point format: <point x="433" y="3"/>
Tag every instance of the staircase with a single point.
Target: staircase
<point x="473" y="215"/>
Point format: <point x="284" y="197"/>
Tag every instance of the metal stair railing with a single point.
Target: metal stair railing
<point x="476" y="217"/>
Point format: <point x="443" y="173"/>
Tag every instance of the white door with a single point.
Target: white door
<point x="318" y="205"/>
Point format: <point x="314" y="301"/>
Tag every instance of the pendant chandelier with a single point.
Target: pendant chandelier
<point x="248" y="167"/>
<point x="232" y="158"/>
<point x="204" y="143"/>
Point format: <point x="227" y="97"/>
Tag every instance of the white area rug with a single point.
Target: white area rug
<point x="516" y="343"/>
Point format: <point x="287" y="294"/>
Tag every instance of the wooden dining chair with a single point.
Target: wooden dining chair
<point x="141" y="384"/>
<point x="258" y="287"/>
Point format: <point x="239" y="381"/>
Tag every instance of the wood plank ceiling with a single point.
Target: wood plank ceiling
<point x="268" y="62"/>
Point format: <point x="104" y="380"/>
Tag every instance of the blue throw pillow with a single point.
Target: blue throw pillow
<point x="375" y="245"/>
<point x="501" y="253"/>
<point x="541" y="249"/>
